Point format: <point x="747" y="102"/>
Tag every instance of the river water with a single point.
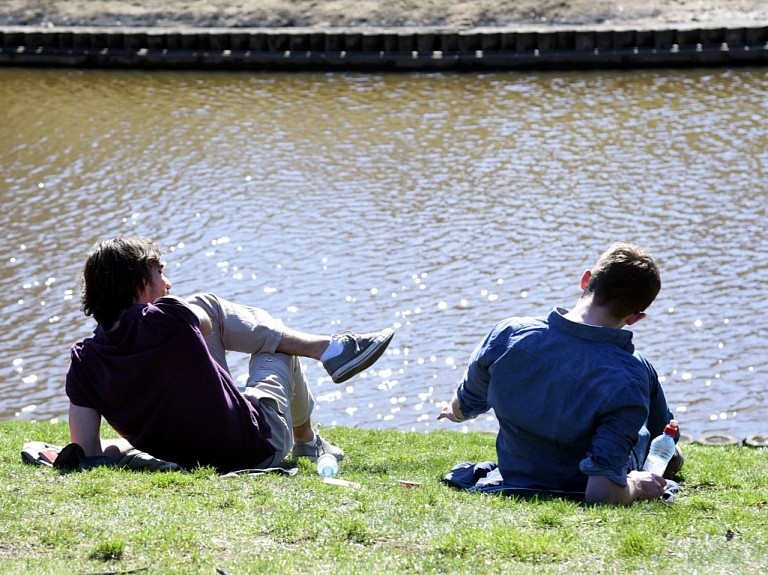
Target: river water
<point x="433" y="203"/>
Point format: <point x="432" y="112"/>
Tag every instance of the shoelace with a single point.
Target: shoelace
<point x="348" y="335"/>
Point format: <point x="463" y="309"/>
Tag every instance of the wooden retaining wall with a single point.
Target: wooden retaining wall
<point x="381" y="49"/>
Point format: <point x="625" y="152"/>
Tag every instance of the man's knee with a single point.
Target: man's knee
<point x="272" y="371"/>
<point x="208" y="301"/>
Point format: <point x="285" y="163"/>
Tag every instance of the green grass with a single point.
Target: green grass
<point x="116" y="521"/>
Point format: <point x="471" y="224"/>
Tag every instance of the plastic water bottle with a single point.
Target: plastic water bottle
<point x="327" y="466"/>
<point x="662" y="449"/>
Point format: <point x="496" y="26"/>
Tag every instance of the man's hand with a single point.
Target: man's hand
<point x="452" y="411"/>
<point x="640" y="485"/>
<point x="448" y="414"/>
<point x="646" y="485"/>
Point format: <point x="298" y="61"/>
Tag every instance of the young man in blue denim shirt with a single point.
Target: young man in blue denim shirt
<point x="576" y="404"/>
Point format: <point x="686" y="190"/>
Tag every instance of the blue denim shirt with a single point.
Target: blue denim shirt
<point x="570" y="399"/>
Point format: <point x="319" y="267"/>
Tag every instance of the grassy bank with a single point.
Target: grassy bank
<point x="115" y="521"/>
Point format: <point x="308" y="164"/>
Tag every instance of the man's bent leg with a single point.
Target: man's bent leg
<point x="238" y="327"/>
<point x="252" y="330"/>
<point x="278" y="382"/>
<point x="307" y="443"/>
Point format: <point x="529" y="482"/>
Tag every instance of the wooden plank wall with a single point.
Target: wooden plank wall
<point x="384" y="49"/>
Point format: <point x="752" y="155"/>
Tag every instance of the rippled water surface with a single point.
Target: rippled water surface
<point x="436" y="204"/>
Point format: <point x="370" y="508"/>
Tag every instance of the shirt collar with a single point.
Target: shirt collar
<point x="620" y="337"/>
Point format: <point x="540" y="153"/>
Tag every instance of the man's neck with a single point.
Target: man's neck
<point x="588" y="313"/>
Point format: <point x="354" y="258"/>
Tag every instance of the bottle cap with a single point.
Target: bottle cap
<point x="671" y="428"/>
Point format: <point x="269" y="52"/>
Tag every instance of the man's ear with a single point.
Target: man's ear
<point x="634" y="318"/>
<point x="585" y="279"/>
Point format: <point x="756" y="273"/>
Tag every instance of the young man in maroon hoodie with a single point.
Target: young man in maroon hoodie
<point x="156" y="369"/>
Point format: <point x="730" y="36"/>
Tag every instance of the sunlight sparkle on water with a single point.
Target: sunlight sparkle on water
<point x="328" y="397"/>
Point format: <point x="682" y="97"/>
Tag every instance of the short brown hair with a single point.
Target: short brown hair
<point x="114" y="273"/>
<point x="624" y="279"/>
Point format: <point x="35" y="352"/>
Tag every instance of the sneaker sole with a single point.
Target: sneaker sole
<point x="365" y="359"/>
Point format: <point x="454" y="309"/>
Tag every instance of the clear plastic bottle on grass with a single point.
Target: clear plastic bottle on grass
<point x="327" y="466"/>
<point x="662" y="449"/>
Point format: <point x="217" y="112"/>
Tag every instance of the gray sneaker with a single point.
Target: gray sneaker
<point x="360" y="352"/>
<point x="316" y="448"/>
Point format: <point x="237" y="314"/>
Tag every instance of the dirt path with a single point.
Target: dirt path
<point x="384" y="13"/>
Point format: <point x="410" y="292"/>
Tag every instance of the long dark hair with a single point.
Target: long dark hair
<point x="115" y="271"/>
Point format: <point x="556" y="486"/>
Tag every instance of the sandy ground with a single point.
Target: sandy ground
<point x="384" y="13"/>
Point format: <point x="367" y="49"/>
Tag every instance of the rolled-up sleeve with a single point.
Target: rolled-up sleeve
<point x="613" y="441"/>
<point x="472" y="390"/>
